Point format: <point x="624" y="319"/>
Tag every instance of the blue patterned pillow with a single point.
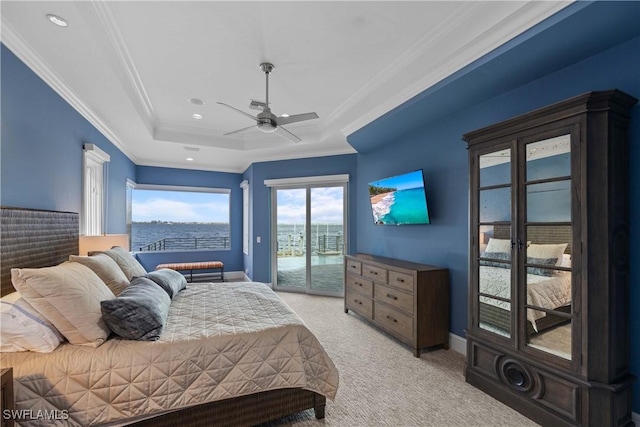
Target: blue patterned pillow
<point x="169" y="280"/>
<point x="505" y="256"/>
<point x="540" y="271"/>
<point x="139" y="312"/>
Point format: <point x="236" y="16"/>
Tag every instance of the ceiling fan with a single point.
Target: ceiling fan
<point x="266" y="121"/>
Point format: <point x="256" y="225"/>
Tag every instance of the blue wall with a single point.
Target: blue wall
<point x="232" y="258"/>
<point x="437" y="148"/>
<point x="42" y="141"/>
<point x="259" y="262"/>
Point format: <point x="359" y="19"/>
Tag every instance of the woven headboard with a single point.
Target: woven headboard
<point x="540" y="234"/>
<point x="31" y="238"/>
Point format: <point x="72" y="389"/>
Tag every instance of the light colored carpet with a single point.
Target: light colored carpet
<point x="382" y="384"/>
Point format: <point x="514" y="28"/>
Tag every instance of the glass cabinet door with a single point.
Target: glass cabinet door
<point x="548" y="233"/>
<point x="494" y="262"/>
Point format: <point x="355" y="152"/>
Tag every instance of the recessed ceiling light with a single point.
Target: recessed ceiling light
<point x="57" y="20"/>
<point x="197" y="116"/>
<point x="196" y="101"/>
<point x="190" y="159"/>
<point x="284" y="115"/>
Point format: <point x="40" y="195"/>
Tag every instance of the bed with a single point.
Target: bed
<point x="229" y="354"/>
<point x="550" y="290"/>
<point x="553" y="293"/>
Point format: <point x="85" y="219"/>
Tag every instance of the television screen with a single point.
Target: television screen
<point x="399" y="200"/>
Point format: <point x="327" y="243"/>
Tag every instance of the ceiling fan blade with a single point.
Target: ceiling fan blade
<point x="286" y="134"/>
<point x="295" y="118"/>
<point x="241" y="130"/>
<point x="239" y="111"/>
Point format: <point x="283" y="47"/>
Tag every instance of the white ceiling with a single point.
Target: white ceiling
<point x="130" y="67"/>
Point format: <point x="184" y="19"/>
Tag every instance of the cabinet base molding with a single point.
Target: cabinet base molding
<point x="547" y="397"/>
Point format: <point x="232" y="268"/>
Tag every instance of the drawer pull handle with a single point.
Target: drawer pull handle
<point x="373" y="272"/>
<point x="357" y="301"/>
<point x="392" y="319"/>
<point x="352" y="266"/>
<point x="358" y="283"/>
<point x="392" y="296"/>
<point x="400" y="280"/>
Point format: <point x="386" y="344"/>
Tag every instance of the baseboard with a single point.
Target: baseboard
<point x="458" y="344"/>
<point x="635" y="417"/>
<point x="236" y="275"/>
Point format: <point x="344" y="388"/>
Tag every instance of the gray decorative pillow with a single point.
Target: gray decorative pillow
<point x="106" y="269"/>
<point x="139" y="312"/>
<point x="126" y="261"/>
<point x="505" y="256"/>
<point x="540" y="271"/>
<point x="169" y="280"/>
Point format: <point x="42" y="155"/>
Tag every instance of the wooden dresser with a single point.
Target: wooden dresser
<point x="408" y="300"/>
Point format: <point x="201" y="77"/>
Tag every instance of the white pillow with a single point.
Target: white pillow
<point x="547" y="251"/>
<point x="498" y="245"/>
<point x="22" y="328"/>
<point x="106" y="269"/>
<point x="67" y="295"/>
<point x="566" y="260"/>
<point x="126" y="261"/>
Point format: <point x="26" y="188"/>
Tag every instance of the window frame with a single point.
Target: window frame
<point x="95" y="179"/>
<point x="189" y="189"/>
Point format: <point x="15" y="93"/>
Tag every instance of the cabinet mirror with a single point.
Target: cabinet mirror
<point x="494" y="240"/>
<point x="548" y="230"/>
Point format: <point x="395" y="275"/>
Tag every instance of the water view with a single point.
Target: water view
<point x="159" y="235"/>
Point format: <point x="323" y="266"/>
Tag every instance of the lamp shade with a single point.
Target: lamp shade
<point x="103" y="242"/>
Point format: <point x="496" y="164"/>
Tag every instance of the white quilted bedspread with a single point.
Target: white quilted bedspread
<point x="221" y="341"/>
<point x="542" y="291"/>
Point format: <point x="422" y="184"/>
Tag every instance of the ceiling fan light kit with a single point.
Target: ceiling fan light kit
<point x="266" y="121"/>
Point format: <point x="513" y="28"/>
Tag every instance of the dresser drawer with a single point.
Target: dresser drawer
<point x="358" y="284"/>
<point x="401" y="280"/>
<point x="395" y="321"/>
<point x="394" y="298"/>
<point x="374" y="273"/>
<point x="358" y="303"/>
<point x="354" y="267"/>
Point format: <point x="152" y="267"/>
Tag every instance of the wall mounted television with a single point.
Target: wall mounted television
<point x="399" y="200"/>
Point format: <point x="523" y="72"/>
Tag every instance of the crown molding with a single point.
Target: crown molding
<point x="124" y="61"/>
<point x="14" y="42"/>
<point x="417" y="57"/>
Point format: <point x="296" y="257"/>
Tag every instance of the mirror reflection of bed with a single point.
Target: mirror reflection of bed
<point x="548" y="285"/>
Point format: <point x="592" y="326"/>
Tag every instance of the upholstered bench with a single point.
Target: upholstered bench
<point x="191" y="266"/>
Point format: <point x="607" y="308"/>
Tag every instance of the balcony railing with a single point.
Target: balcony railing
<point x="187" y="243"/>
<point x="295" y="245"/>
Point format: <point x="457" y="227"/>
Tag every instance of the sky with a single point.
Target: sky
<point x="401" y="182"/>
<point x="326" y="205"/>
<point x="183" y="206"/>
<point x="179" y="206"/>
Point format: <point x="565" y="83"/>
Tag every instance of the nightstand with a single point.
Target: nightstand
<point x="6" y="396"/>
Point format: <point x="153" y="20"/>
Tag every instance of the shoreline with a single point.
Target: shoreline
<point x="378" y="197"/>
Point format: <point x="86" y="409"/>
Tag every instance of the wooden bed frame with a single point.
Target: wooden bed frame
<point x="31" y="238"/>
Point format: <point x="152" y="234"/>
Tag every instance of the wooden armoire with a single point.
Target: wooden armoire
<point x="549" y="262"/>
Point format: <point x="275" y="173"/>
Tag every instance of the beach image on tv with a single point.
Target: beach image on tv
<point x="399" y="200"/>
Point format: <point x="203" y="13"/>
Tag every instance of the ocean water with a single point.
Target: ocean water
<point x="144" y="234"/>
<point x="402" y="207"/>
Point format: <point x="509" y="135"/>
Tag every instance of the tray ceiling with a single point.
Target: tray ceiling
<point x="131" y="67"/>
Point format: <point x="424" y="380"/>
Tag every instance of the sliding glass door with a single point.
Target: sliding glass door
<point x="309" y="241"/>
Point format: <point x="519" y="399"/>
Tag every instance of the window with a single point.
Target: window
<point x="95" y="174"/>
<point x="245" y="216"/>
<point x="168" y="218"/>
